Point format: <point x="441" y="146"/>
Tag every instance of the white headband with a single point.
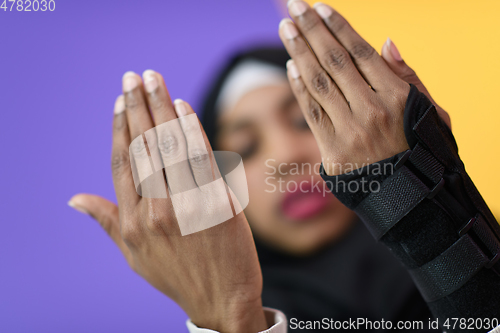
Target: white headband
<point x="248" y="76"/>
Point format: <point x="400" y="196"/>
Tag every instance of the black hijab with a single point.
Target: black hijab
<point x="349" y="279"/>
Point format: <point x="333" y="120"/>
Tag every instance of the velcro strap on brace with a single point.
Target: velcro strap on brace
<point x="418" y="176"/>
<point x="385" y="208"/>
<point x="401" y="192"/>
<point x="452" y="268"/>
<point x="429" y="178"/>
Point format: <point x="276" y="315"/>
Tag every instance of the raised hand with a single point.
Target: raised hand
<point x="352" y="98"/>
<point x="213" y="274"/>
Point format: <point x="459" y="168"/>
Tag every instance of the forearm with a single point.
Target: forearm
<point x="422" y="212"/>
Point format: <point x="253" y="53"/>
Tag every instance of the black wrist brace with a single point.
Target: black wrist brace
<point x="428" y="212"/>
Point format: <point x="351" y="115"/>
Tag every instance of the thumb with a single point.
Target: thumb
<point x="393" y="58"/>
<point x="106" y="213"/>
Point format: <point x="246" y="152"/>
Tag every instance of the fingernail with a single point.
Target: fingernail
<point x="129" y="81"/>
<point x="119" y="105"/>
<point x="292" y="68"/>
<point x="150" y="80"/>
<point x="297" y="8"/>
<point x="394" y="50"/>
<point x="80" y="209"/>
<point x="289" y="29"/>
<point x="323" y="10"/>
<point x="180" y="107"/>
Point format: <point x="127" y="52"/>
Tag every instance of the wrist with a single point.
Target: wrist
<point x="233" y="317"/>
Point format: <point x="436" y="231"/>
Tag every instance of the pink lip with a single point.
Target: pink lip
<point x="304" y="204"/>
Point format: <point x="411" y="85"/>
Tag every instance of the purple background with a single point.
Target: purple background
<point x="60" y="73"/>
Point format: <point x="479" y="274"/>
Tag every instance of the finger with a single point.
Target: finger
<point x="393" y="58"/>
<point x="120" y="162"/>
<point x="317" y="119"/>
<point x="198" y="148"/>
<point x="139" y="118"/>
<point x="158" y="98"/>
<point x="369" y="63"/>
<point x="332" y="56"/>
<point x="162" y="110"/>
<point x="201" y="158"/>
<point x="104" y="212"/>
<point x="141" y="124"/>
<point x="317" y="81"/>
<point x="168" y="145"/>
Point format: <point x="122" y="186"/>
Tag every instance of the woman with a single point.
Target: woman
<point x="314" y="255"/>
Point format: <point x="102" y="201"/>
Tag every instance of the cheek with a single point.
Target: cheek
<point x="262" y="196"/>
<point x="311" y="146"/>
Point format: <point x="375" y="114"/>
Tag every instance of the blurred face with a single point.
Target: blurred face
<point x="289" y="207"/>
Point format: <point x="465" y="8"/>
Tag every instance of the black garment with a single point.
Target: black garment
<point x="355" y="277"/>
